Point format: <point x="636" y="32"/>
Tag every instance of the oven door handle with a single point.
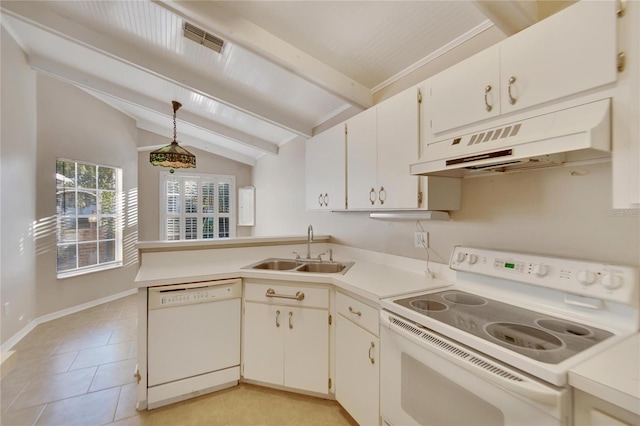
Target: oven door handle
<point x="472" y="361"/>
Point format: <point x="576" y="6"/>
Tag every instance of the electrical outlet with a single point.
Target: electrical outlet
<point x="421" y="239"/>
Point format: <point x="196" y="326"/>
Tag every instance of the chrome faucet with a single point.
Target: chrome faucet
<point x="309" y="239"/>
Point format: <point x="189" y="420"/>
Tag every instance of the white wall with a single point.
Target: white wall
<point x="561" y="212"/>
<point x="149" y="179"/>
<point x="17" y="180"/>
<point x="72" y="124"/>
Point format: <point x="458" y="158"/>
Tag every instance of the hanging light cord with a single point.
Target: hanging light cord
<point x="176" y="106"/>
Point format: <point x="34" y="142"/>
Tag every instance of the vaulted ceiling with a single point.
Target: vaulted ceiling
<point x="285" y="68"/>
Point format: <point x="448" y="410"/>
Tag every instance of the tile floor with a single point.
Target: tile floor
<point x="78" y="370"/>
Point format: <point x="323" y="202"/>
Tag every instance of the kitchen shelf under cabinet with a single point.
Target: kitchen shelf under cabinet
<point x="287" y="345"/>
<point x="357" y="360"/>
<point x="518" y="73"/>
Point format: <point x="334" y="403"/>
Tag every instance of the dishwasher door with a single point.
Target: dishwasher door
<point x="193" y="329"/>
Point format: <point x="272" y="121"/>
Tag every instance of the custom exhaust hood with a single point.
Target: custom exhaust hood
<point x="579" y="133"/>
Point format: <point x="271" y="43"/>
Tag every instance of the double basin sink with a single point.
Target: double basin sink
<point x="302" y="265"/>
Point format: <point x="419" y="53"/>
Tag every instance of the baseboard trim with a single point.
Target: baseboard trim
<point x="13" y="340"/>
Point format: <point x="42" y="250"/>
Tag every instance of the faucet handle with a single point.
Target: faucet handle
<point x="320" y="256"/>
<point x="330" y="255"/>
<point x="297" y="255"/>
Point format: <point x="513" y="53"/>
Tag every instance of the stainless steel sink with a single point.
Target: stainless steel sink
<point x="329" y="268"/>
<point x="276" y="264"/>
<point x="302" y="265"/>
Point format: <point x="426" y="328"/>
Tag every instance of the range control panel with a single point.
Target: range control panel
<point x="590" y="279"/>
<point x="189" y="294"/>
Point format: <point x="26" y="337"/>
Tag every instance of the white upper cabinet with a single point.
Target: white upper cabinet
<point x="325" y="170"/>
<point x="381" y="143"/>
<point x="566" y="54"/>
<point x="467" y="92"/>
<point x="570" y="52"/>
<point x="362" y="155"/>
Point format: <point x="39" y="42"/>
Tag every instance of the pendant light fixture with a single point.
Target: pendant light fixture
<point x="173" y="155"/>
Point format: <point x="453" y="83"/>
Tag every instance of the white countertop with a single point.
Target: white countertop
<point x="373" y="276"/>
<point x="613" y="375"/>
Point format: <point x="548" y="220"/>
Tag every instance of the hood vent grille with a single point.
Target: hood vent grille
<point x="201" y="36"/>
<point x="492" y="135"/>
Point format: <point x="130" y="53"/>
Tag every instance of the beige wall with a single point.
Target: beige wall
<point x="561" y="212"/>
<point x="72" y="124"/>
<point x="149" y="179"/>
<point x="17" y="178"/>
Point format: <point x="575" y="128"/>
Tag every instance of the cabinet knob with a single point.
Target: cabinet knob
<point x="488" y="106"/>
<point x="372" y="195"/>
<point x="512" y="100"/>
<point x="372" y="359"/>
<point x="380" y="195"/>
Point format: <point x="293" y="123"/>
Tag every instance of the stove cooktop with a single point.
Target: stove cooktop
<point x="535" y="335"/>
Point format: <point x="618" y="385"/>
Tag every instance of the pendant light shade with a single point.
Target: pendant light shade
<point x="173" y="155"/>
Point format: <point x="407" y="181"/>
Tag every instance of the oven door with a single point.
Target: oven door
<point x="428" y="380"/>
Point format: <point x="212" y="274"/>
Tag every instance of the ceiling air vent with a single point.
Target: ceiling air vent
<point x="201" y="36"/>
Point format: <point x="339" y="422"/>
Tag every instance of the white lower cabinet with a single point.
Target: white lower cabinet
<point x="589" y="410"/>
<point x="357" y="361"/>
<point x="286" y="345"/>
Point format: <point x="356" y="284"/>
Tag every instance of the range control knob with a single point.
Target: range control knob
<point x="586" y="277"/>
<point x="461" y="256"/>
<point x="611" y="281"/>
<point x="540" y="270"/>
<point x="472" y="258"/>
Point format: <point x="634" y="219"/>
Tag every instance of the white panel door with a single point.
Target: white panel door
<point x="398" y="145"/>
<point x="306" y="353"/>
<point x="263" y="348"/>
<point x="184" y="341"/>
<point x="362" y="160"/>
<point x="466" y="93"/>
<point x="570" y="52"/>
<point x="325" y="170"/>
<point x="357" y="378"/>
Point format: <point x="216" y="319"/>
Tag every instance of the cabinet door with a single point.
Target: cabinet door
<point x="467" y="92"/>
<point x="362" y="160"/>
<point x="306" y="349"/>
<point x="398" y="145"/>
<point x="357" y="378"/>
<point x="325" y="162"/>
<point x="570" y="52"/>
<point x="263" y="342"/>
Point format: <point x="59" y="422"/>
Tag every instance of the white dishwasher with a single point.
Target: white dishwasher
<point x="193" y="340"/>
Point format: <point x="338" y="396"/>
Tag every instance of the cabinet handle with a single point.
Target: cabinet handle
<point x="271" y="293"/>
<point x="382" y="191"/>
<point x="372" y="196"/>
<point x="358" y="313"/>
<point x="320" y="200"/>
<point x="277" y="318"/>
<point x="486" y="102"/>
<point x="326" y="199"/>
<point x="372" y="359"/>
<point x="512" y="100"/>
<point x="290" y="315"/>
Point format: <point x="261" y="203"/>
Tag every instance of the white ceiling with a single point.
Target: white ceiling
<point x="286" y="67"/>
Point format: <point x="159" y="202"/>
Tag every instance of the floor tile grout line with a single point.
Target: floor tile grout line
<point x="44" y="407"/>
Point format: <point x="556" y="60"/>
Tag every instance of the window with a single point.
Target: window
<point x="89" y="213"/>
<point x="196" y="206"/>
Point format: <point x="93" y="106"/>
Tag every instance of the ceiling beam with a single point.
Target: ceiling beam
<point x="82" y="79"/>
<point x="162" y="67"/>
<point x="238" y="30"/>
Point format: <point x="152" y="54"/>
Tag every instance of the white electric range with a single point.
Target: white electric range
<point x="496" y="347"/>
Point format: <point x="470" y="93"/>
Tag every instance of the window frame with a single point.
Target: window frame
<point x="201" y="178"/>
<point x="118" y="217"/>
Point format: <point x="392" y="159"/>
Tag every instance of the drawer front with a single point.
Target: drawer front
<point x="360" y="313"/>
<point x="279" y="294"/>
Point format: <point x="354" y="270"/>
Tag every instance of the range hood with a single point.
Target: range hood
<point x="578" y="133"/>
